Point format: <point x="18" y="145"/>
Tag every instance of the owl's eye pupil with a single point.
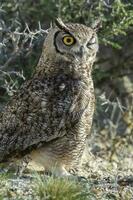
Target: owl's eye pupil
<point x="68" y="40"/>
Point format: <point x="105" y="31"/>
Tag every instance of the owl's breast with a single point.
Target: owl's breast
<point x="54" y="105"/>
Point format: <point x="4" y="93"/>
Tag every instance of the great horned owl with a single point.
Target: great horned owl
<point x="50" y="116"/>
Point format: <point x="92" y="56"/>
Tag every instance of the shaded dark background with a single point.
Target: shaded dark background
<point x="22" y="32"/>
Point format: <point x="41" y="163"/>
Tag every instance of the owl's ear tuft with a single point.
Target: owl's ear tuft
<point x="60" y="24"/>
<point x="96" y="25"/>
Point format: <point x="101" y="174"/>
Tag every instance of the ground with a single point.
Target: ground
<point x="105" y="179"/>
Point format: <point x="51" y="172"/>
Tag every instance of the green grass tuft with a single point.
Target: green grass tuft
<point x="61" y="189"/>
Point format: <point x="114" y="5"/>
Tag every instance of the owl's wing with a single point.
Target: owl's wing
<point x="35" y="116"/>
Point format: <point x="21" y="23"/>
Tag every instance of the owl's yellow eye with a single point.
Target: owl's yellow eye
<point x="68" y="40"/>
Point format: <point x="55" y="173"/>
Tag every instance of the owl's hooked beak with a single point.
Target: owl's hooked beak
<point x="81" y="54"/>
<point x="82" y="51"/>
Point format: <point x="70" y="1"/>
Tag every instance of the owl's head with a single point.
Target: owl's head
<point x="71" y="42"/>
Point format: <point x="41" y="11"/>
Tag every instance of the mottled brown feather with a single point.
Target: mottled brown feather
<point x="50" y="116"/>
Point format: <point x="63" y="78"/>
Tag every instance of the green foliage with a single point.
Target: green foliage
<point x="61" y="189"/>
<point x="116" y="17"/>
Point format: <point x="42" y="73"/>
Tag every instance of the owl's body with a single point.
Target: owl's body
<point x="50" y="117"/>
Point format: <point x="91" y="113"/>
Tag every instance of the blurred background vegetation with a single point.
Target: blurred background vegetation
<point x="22" y="32"/>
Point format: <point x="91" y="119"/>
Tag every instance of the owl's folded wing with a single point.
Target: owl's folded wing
<point x="27" y="122"/>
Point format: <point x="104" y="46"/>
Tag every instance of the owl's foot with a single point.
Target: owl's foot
<point x="60" y="172"/>
<point x="63" y="173"/>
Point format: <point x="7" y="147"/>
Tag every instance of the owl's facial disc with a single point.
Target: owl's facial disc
<point x="74" y="48"/>
<point x="75" y="42"/>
